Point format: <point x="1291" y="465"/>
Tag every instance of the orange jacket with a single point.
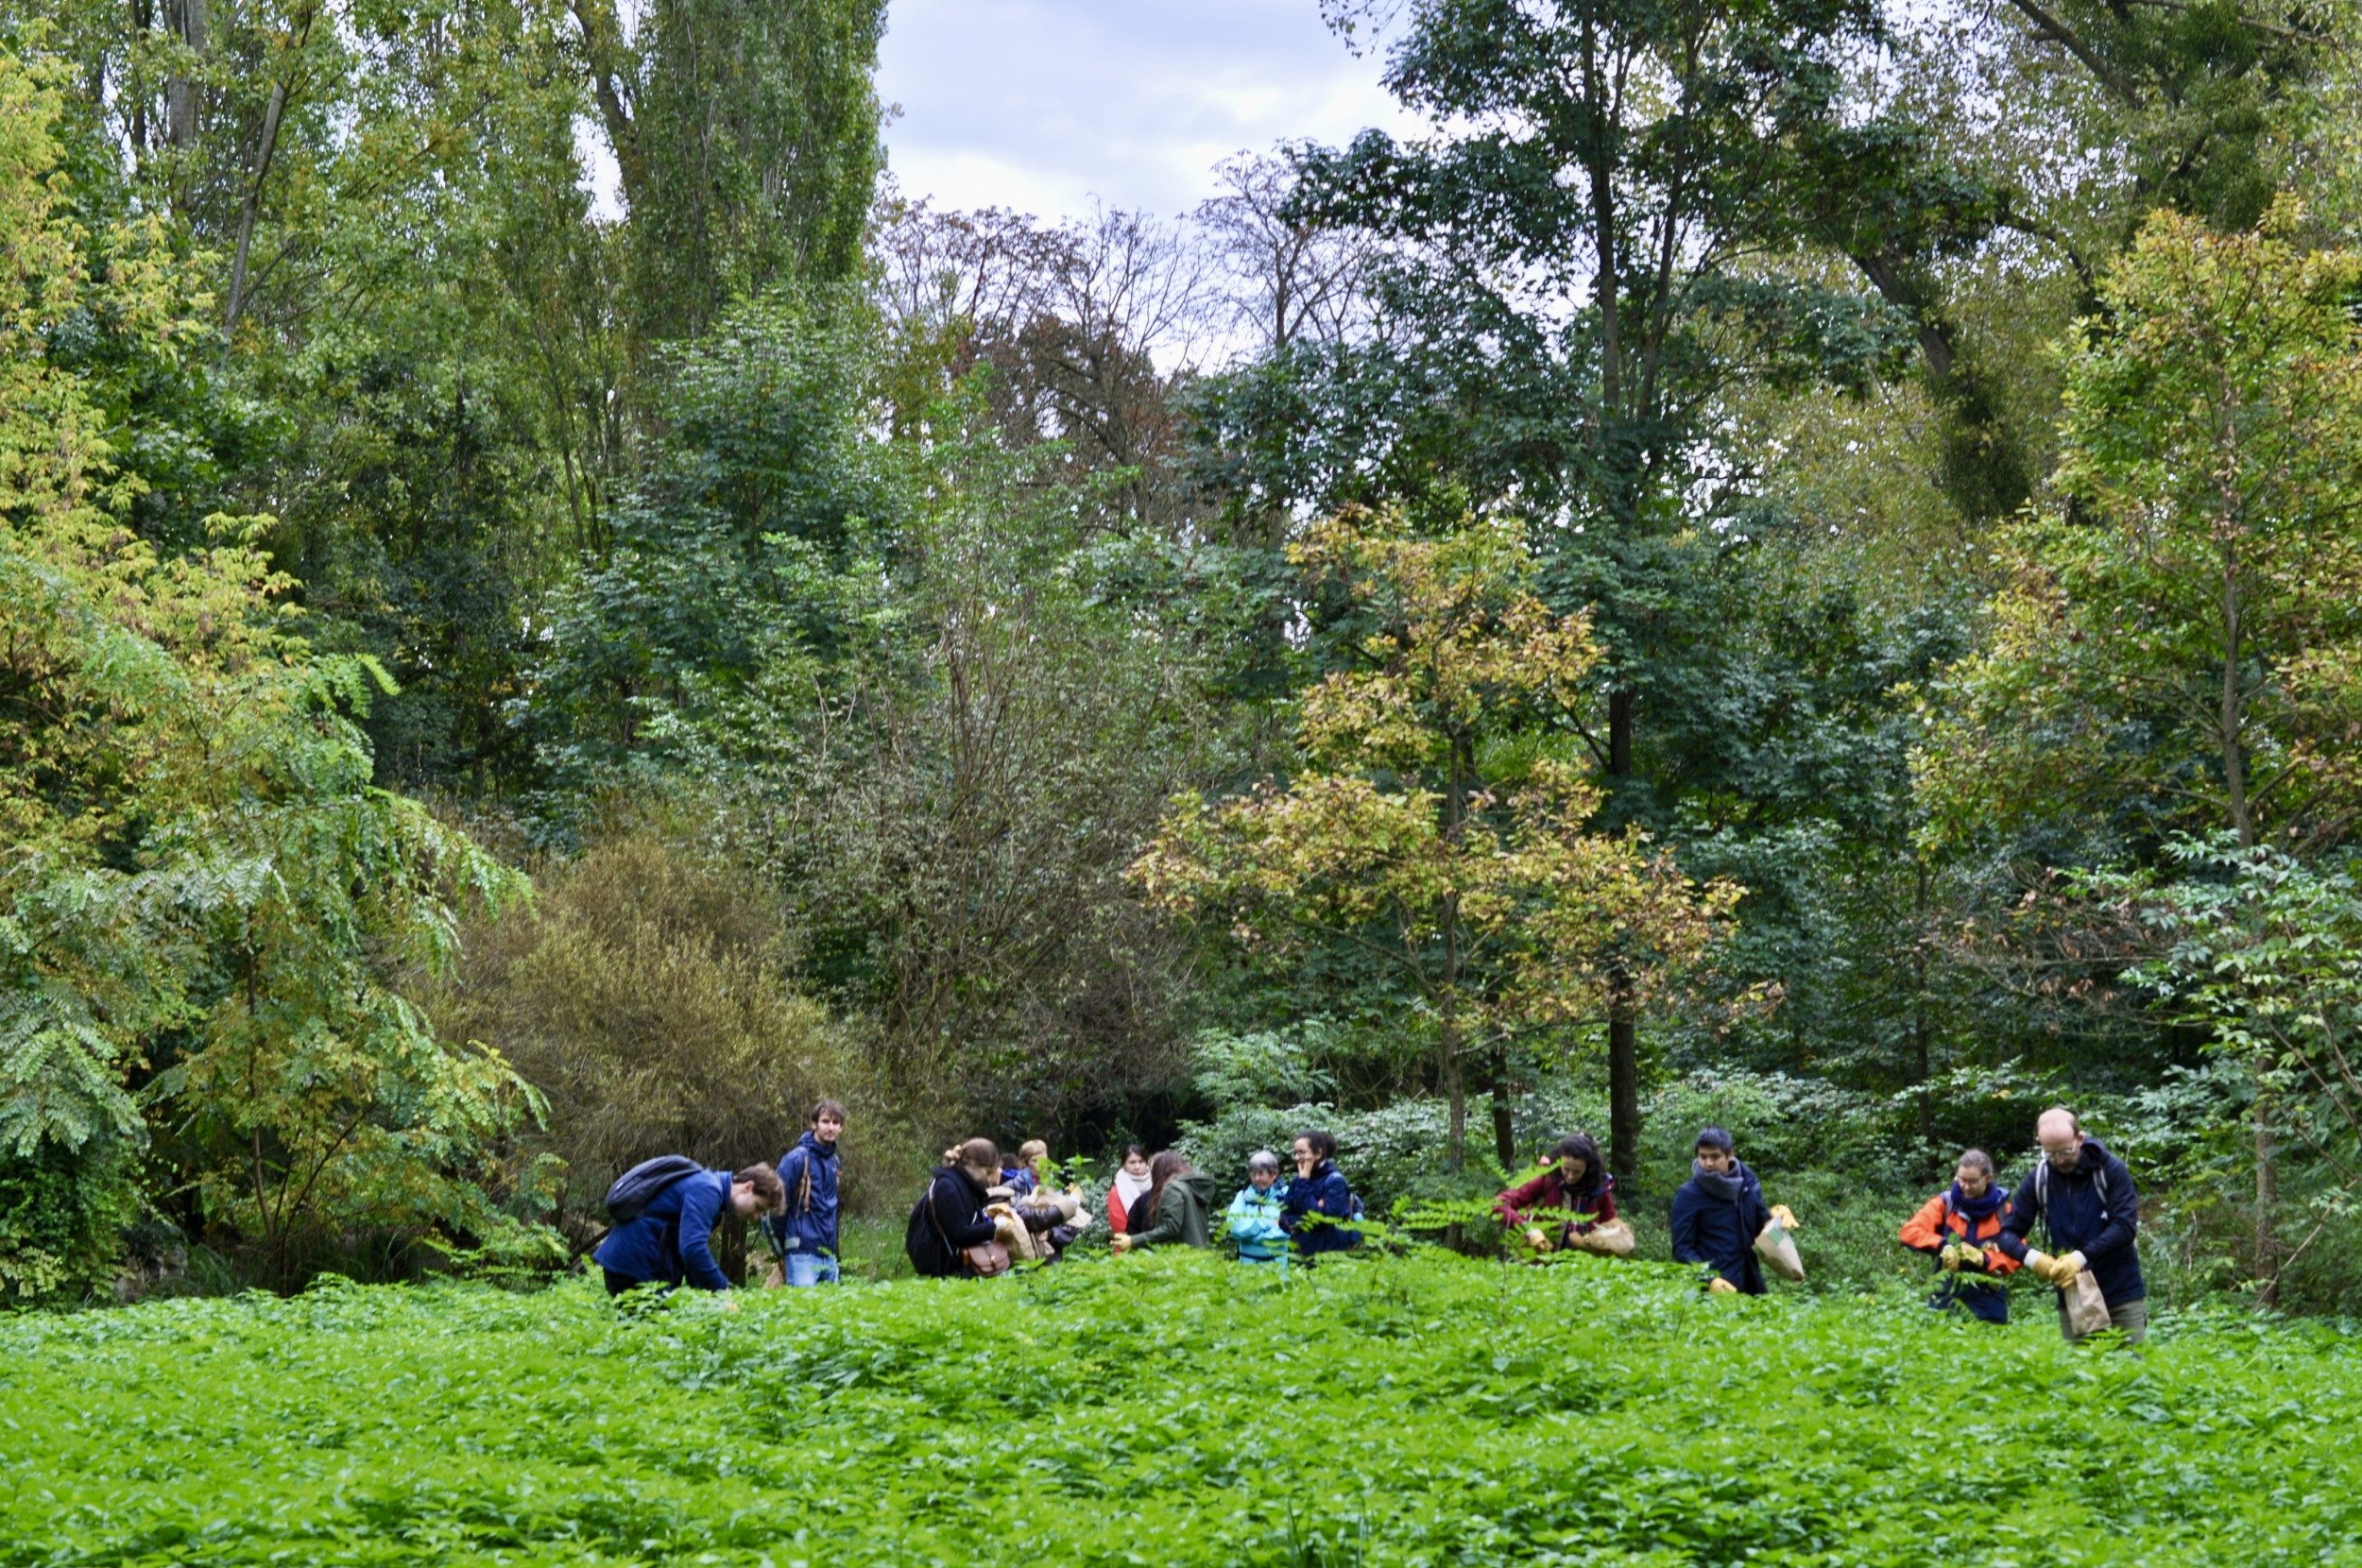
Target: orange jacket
<point x="1937" y="1223"/>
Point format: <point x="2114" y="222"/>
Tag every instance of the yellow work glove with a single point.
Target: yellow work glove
<point x="1717" y="1286"/>
<point x="2054" y="1272"/>
<point x="1538" y="1239"/>
<point x="1950" y="1259"/>
<point x="1785" y="1216"/>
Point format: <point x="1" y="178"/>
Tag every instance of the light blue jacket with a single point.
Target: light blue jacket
<point x="1253" y="1218"/>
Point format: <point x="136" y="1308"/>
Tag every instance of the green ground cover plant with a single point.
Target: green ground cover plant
<point x="1170" y="1409"/>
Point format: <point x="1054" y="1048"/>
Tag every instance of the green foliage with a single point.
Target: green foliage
<point x="207" y="907"/>
<point x="872" y="1424"/>
<point x="650" y="993"/>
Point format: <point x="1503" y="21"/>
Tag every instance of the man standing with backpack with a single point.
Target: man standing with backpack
<point x="664" y="1211"/>
<point x="2091" y="1213"/>
<point x="805" y="1232"/>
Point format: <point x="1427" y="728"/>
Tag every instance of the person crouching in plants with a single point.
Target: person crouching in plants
<point x="1318" y="1207"/>
<point x="1552" y="1207"/>
<point x="1961" y="1229"/>
<point x="804" y="1235"/>
<point x="1177" y="1209"/>
<point x="1718" y="1214"/>
<point x="1254" y="1215"/>
<point x="672" y="1238"/>
<point x="955" y="1214"/>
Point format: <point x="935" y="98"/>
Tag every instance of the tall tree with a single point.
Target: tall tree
<point x="2179" y="646"/>
<point x="1574" y="275"/>
<point x="747" y="137"/>
<point x="1430" y="823"/>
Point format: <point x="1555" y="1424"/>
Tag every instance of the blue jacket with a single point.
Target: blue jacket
<point x="810" y="1224"/>
<point x="1720" y="1231"/>
<point x="2094" y="1210"/>
<point x="674" y="1236"/>
<point x="1324" y="1192"/>
<point x="1254" y="1223"/>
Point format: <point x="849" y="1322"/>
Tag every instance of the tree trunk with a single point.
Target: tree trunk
<point x="1919" y="996"/>
<point x="265" y="151"/>
<point x="1623" y="1046"/>
<point x="1504" y="1113"/>
<point x="2267" y="1198"/>
<point x="181" y="98"/>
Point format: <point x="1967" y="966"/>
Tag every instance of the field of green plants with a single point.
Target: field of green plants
<point x="1169" y="1410"/>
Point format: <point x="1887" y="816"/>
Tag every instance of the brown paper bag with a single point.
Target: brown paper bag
<point x="2086" y="1308"/>
<point x="1614" y="1238"/>
<point x="1779" y="1250"/>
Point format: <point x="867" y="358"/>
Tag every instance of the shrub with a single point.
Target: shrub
<point x="649" y="995"/>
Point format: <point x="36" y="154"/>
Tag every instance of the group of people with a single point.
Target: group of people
<point x="980" y="1218"/>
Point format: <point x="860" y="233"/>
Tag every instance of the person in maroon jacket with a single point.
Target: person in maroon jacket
<point x="1575" y="1182"/>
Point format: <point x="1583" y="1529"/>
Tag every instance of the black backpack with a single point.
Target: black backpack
<point x="923" y="1241"/>
<point x="636" y="1188"/>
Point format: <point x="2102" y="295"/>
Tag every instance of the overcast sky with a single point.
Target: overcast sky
<point x="1040" y="105"/>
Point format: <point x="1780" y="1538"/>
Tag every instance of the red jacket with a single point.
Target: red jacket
<point x="1518" y="1205"/>
<point x="1938" y="1223"/>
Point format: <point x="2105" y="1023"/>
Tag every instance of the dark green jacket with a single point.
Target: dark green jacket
<point x="1183" y="1214"/>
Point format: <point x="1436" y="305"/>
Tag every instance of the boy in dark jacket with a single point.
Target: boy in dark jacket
<point x="673" y="1238"/>
<point x="2091" y="1213"/>
<point x="1718" y="1214"/>
<point x="805" y="1236"/>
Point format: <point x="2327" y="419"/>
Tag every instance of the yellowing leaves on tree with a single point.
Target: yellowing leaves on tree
<point x="1439" y="822"/>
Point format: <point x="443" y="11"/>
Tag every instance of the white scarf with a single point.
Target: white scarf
<point x="1129" y="1187"/>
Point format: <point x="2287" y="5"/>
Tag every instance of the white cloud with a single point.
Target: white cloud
<point x="1040" y="105"/>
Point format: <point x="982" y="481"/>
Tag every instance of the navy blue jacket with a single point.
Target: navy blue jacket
<point x="674" y="1236"/>
<point x="2094" y="1210"/>
<point x="1324" y="1192"/>
<point x="1721" y="1233"/>
<point x="810" y="1224"/>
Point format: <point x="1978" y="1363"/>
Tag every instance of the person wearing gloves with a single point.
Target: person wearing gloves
<point x="804" y="1235"/>
<point x="1319" y="1189"/>
<point x="1179" y="1209"/>
<point x="1253" y="1219"/>
<point x="1574" y="1182"/>
<point x="2091" y="1213"/>
<point x="672" y="1240"/>
<point x="1718" y="1214"/>
<point x="1961" y="1229"/>
<point x="1129" y="1187"/>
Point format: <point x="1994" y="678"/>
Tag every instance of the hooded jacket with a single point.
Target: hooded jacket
<point x="673" y="1236"/>
<point x="810" y="1225"/>
<point x="2094" y="1209"/>
<point x="1325" y="1193"/>
<point x="1716" y="1221"/>
<point x="1182" y="1212"/>
<point x="1252" y="1221"/>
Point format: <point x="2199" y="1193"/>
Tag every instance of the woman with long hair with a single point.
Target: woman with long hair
<point x="1552" y="1207"/>
<point x="1178" y="1208"/>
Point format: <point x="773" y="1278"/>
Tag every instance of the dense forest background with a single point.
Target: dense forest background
<point x="1795" y="563"/>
